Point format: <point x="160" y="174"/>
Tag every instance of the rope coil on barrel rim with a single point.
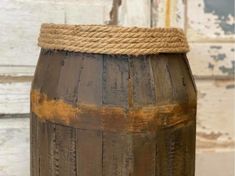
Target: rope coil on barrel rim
<point x="106" y="39"/>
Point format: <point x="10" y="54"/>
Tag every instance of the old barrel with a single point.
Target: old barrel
<point x="112" y="101"/>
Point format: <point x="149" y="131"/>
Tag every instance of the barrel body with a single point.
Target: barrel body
<point x="112" y="115"/>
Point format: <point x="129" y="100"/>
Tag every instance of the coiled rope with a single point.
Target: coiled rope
<point x="104" y="39"/>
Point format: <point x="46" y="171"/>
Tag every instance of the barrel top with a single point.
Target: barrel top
<point x="108" y="39"/>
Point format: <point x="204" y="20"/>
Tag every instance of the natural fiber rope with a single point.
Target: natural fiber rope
<point x="105" y="39"/>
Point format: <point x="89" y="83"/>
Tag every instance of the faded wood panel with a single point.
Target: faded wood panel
<point x="219" y="163"/>
<point x="210" y="20"/>
<point x="14" y="97"/>
<point x="169" y="12"/>
<point x="14" y="147"/>
<point x="20" y="24"/>
<point x="76" y="13"/>
<point x="16" y="70"/>
<point x="134" y="13"/>
<point x="215" y="115"/>
<point x="212" y="59"/>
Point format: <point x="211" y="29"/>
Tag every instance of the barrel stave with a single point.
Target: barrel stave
<point x="107" y="139"/>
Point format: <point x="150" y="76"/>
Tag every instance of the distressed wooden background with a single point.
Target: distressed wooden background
<point x="209" y="25"/>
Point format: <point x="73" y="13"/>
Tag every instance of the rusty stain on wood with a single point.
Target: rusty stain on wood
<point x="134" y="119"/>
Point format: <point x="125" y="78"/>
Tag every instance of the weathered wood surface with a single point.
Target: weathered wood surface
<point x="212" y="60"/>
<point x="214" y="20"/>
<point x="22" y="19"/>
<point x="158" y="146"/>
<point x="172" y="13"/>
<point x="14" y="97"/>
<point x="14" y="161"/>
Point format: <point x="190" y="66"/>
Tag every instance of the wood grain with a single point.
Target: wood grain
<point x="89" y="148"/>
<point x="119" y="127"/>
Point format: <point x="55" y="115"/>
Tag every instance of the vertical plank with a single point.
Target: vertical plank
<point x="189" y="134"/>
<point x="41" y="69"/>
<point x="143" y="82"/>
<point x="179" y="78"/>
<point x="90" y="83"/>
<point x="89" y="152"/>
<point x="57" y="142"/>
<point x="52" y="73"/>
<point x="65" y="148"/>
<point x="45" y="148"/>
<point x="115" y="84"/>
<point x="34" y="156"/>
<point x="162" y="79"/>
<point x="144" y="151"/>
<point x="117" y="148"/>
<point x="175" y="151"/>
<point x="117" y="154"/>
<point x="69" y="76"/>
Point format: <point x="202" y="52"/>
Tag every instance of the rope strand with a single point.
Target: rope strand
<point x="104" y="39"/>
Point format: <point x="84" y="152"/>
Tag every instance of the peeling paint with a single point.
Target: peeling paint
<point x="225" y="12"/>
<point x="231" y="86"/>
<point x="214" y="140"/>
<point x="214" y="20"/>
<point x="228" y="70"/>
<point x="219" y="57"/>
<point x="216" y="47"/>
<point x="211" y="66"/>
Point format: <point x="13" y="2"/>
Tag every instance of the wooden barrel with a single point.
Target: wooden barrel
<point x="100" y="109"/>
